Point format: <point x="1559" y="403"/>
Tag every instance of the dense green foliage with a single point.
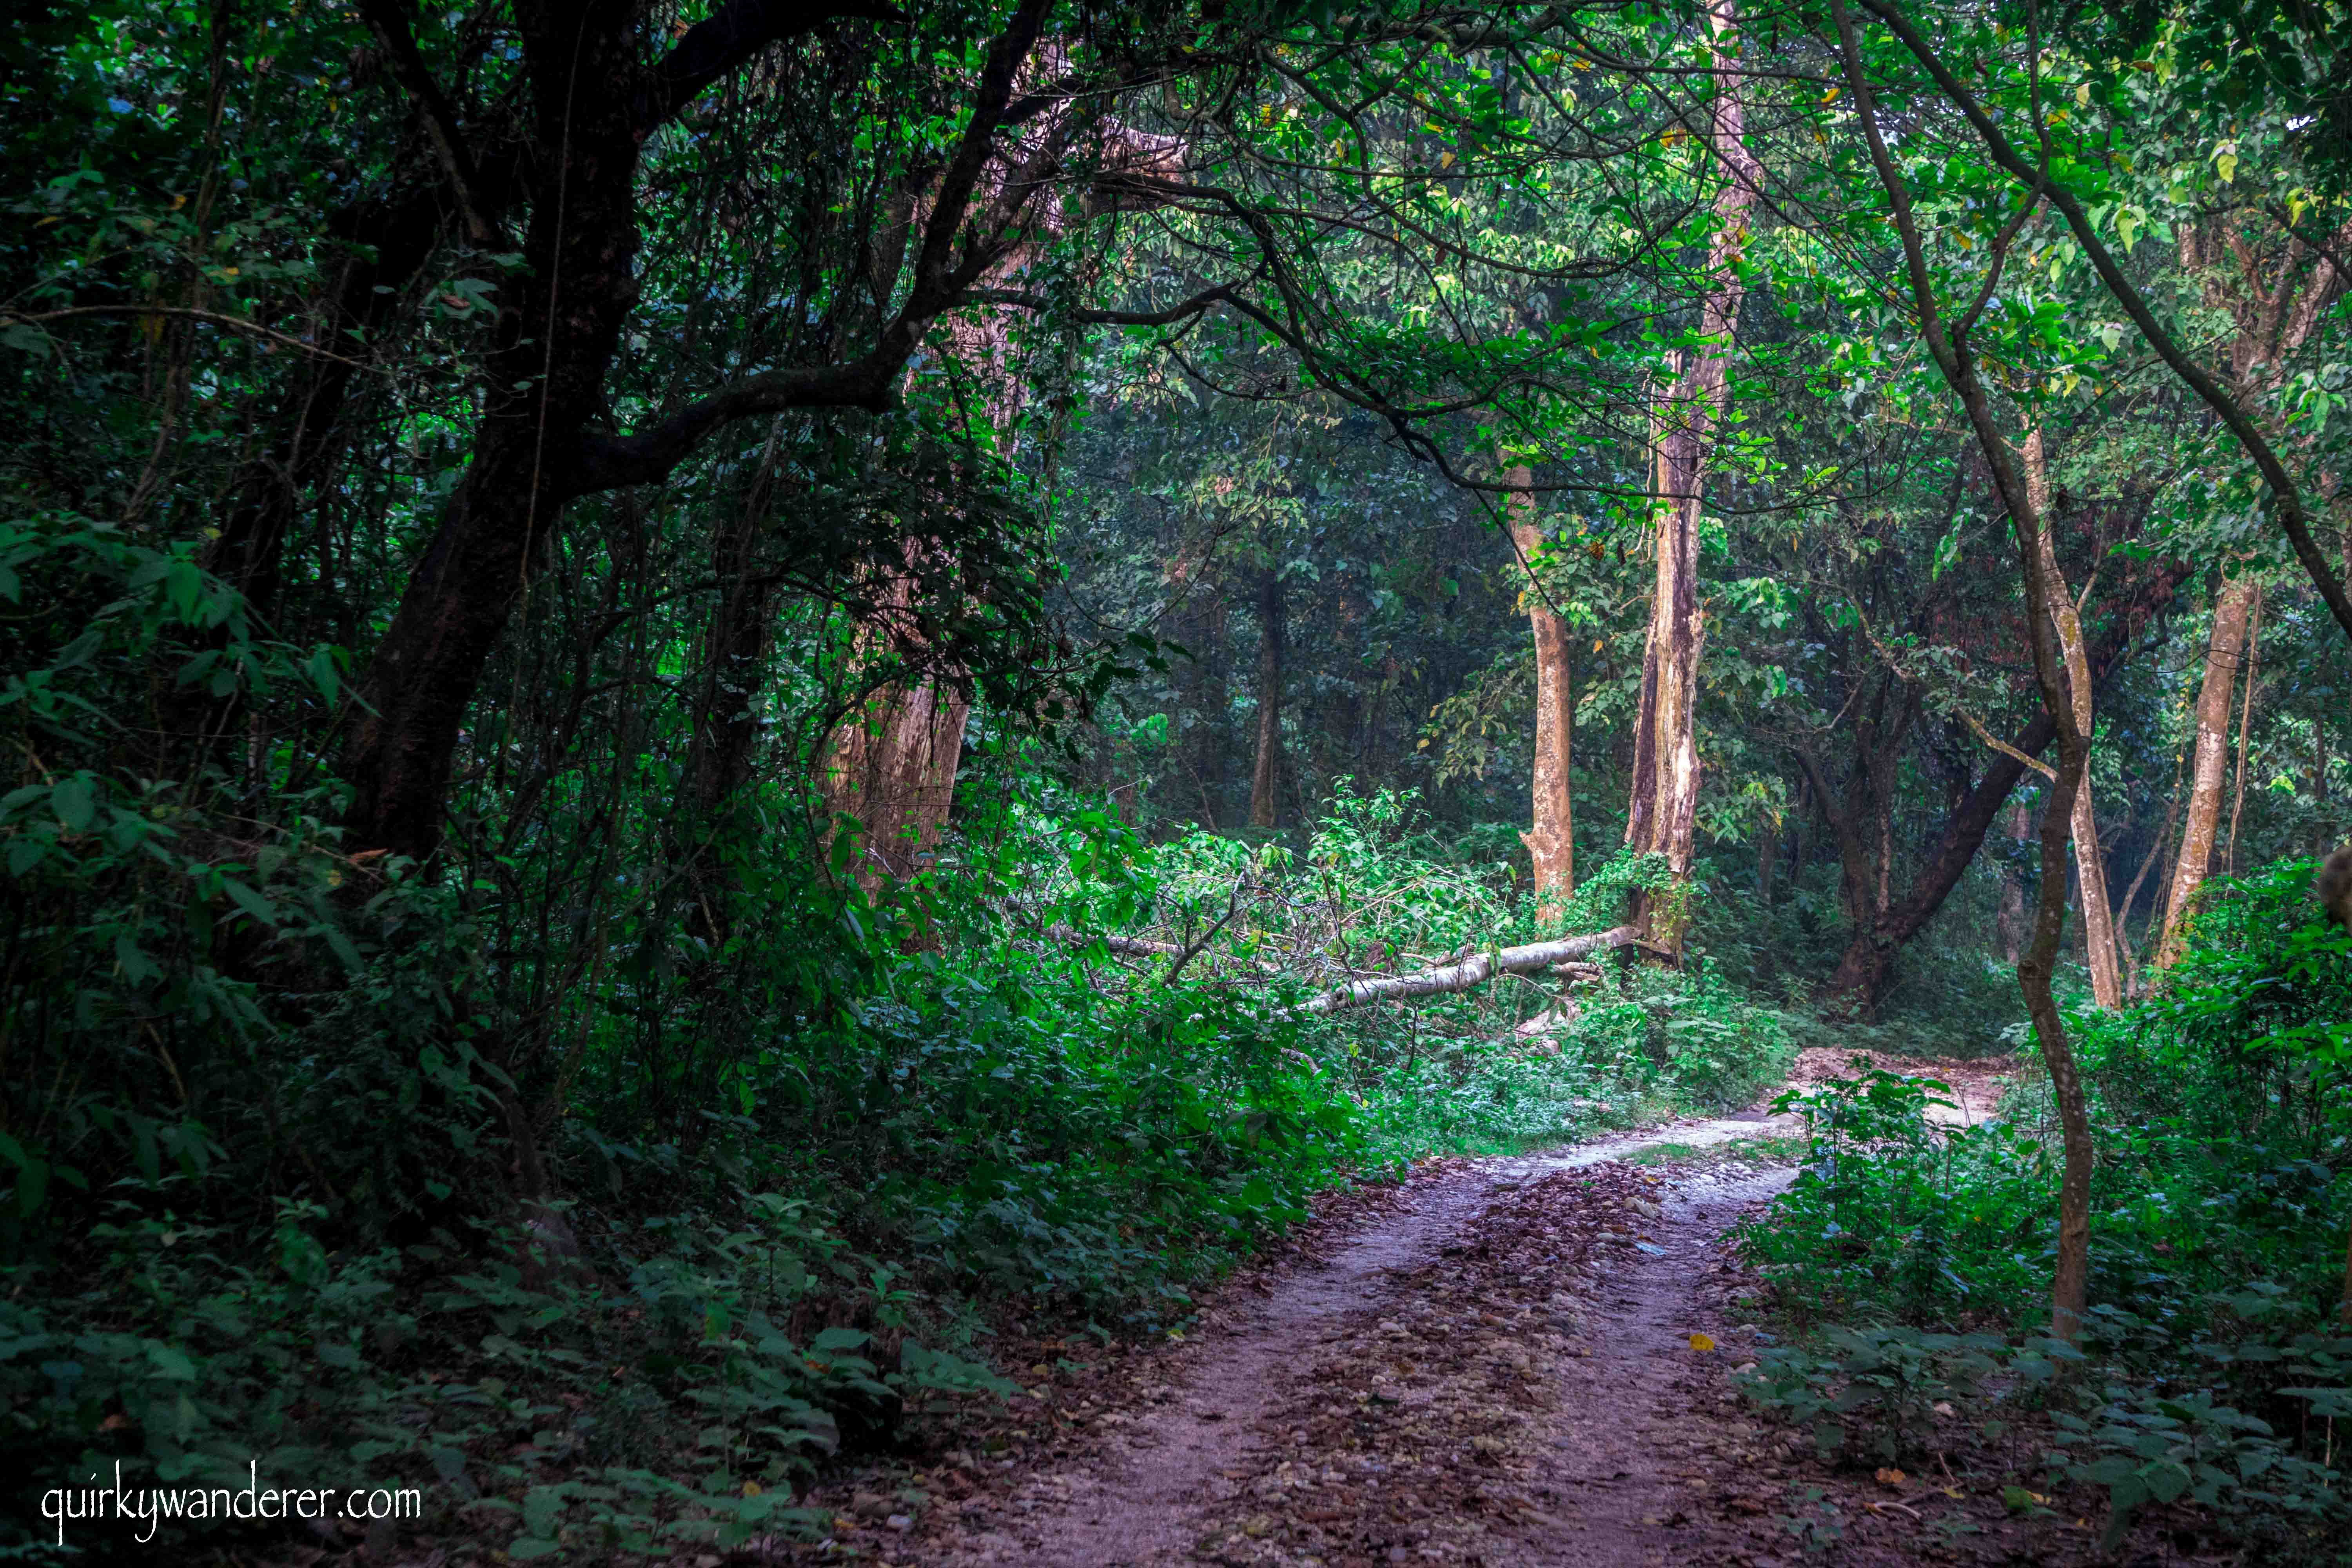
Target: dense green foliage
<point x="2217" y="1240"/>
<point x="482" y="480"/>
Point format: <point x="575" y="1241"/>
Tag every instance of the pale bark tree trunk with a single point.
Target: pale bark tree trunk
<point x="2090" y="863"/>
<point x="1476" y="970"/>
<point x="1265" y="781"/>
<point x="2275" y="316"/>
<point x="893" y="767"/>
<point x="1551" y="841"/>
<point x="2224" y="651"/>
<point x="1661" y="815"/>
<point x="2245" y="726"/>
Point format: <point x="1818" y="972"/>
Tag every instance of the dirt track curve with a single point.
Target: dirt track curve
<point x="1499" y="1363"/>
<point x="1473" y="1379"/>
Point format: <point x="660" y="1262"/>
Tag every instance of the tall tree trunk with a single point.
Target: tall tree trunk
<point x="2224" y="651"/>
<point x="1661" y="813"/>
<point x="1204" y="749"/>
<point x="726" y="721"/>
<point x="2010" y="923"/>
<point x="2090" y="863"/>
<point x="1862" y="815"/>
<point x="1956" y="359"/>
<point x="1551" y="840"/>
<point x="893" y="768"/>
<point x="1866" y="967"/>
<point x="1801" y="840"/>
<point x="2070" y="1281"/>
<point x="540" y="441"/>
<point x="1265" y="781"/>
<point x="545" y="382"/>
<point x="2245" y="726"/>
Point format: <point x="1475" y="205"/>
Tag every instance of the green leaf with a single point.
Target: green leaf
<point x="170" y="1362"/>
<point x="2165" y="1479"/>
<point x="251" y="902"/>
<point x="75" y="802"/>
<point x="32" y="1186"/>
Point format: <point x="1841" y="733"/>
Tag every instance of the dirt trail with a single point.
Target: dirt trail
<point x="1503" y="1363"/>
<point x="1472" y="1379"/>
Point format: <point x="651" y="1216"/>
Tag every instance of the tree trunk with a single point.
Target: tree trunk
<point x="1862" y="815"/>
<point x="2010" y="923"/>
<point x="540" y="440"/>
<point x="726" y="721"/>
<point x="2090" y="863"/>
<point x="1476" y="970"/>
<point x="1956" y="359"/>
<point x="1867" y="964"/>
<point x="1265" y="783"/>
<point x="544" y="382"/>
<point x="2225" y="650"/>
<point x="1661" y="813"/>
<point x="389" y="241"/>
<point x="1203" y="748"/>
<point x="1801" y="840"/>
<point x="2245" y="726"/>
<point x="1551" y="841"/>
<point x="893" y="768"/>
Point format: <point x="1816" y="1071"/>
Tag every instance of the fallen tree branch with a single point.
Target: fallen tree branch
<point x="1193" y="951"/>
<point x="1131" y="946"/>
<point x="1474" y="970"/>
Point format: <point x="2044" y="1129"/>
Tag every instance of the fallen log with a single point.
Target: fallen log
<point x="1474" y="970"/>
<point x="1126" y="946"/>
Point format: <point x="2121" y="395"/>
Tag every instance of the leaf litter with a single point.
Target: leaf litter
<point x="1491" y="1373"/>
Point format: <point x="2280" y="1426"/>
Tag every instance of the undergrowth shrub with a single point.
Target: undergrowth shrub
<point x="2220" y="1203"/>
<point x="270" y="1106"/>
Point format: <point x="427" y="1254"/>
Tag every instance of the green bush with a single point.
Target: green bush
<point x="2220" y="1206"/>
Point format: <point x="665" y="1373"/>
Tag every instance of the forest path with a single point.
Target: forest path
<point x="1492" y="1372"/>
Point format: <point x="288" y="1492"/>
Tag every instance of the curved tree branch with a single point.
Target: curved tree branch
<point x="2286" y="497"/>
